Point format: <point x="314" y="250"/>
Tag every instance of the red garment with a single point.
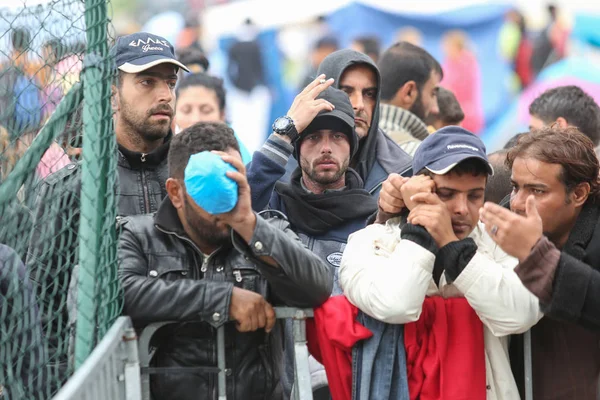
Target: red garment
<point x="331" y="335"/>
<point x="523" y="62"/>
<point x="445" y="352"/>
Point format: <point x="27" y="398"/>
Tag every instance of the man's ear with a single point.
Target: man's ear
<point x="114" y="98"/>
<point x="176" y="192"/>
<point x="562" y="122"/>
<point x="405" y="97"/>
<point x="580" y="194"/>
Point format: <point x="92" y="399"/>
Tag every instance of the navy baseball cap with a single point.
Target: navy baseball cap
<point x="444" y="149"/>
<point x="140" y="51"/>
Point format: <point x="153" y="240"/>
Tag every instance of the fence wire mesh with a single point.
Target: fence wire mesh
<point x="59" y="291"/>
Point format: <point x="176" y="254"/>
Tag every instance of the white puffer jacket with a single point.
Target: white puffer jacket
<point x="388" y="278"/>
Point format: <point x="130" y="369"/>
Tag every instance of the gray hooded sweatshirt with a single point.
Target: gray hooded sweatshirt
<point x="378" y="155"/>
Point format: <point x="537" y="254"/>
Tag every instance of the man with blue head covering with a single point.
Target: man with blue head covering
<point x="205" y="259"/>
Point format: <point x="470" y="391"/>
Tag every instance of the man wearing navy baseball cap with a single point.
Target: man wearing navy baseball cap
<point x="437" y="247"/>
<point x="143" y="101"/>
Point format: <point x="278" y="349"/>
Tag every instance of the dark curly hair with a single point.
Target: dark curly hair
<point x="203" y="136"/>
<point x="568" y="147"/>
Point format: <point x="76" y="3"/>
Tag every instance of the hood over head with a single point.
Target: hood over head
<point x="334" y="66"/>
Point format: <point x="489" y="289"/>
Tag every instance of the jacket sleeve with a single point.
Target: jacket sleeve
<point x="53" y="247"/>
<point x="301" y="278"/>
<point x="148" y="299"/>
<point x="568" y="289"/>
<point x="387" y="276"/>
<point x="266" y="168"/>
<point x="493" y="289"/>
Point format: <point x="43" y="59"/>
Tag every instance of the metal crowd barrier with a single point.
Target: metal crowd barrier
<point x="302" y="373"/>
<point x="112" y="371"/>
<point x="119" y="367"/>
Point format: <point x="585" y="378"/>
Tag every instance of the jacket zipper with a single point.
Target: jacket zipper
<point x="145" y="191"/>
<point x="212" y="387"/>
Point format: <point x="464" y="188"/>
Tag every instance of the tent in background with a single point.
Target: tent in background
<point x="480" y="20"/>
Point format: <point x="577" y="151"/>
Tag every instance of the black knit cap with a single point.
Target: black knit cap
<point x="341" y="119"/>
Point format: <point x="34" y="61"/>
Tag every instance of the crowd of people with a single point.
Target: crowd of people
<point x="425" y="258"/>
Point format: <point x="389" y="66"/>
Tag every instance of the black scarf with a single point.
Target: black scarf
<point x="316" y="214"/>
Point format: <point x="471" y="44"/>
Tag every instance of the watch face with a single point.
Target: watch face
<point x="281" y="123"/>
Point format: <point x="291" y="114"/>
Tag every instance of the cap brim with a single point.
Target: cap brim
<point x="340" y="115"/>
<point x="443" y="166"/>
<point x="144" y="63"/>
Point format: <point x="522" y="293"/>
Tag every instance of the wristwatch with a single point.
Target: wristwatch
<point x="285" y="126"/>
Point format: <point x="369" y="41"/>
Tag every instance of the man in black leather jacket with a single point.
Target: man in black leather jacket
<point x="204" y="270"/>
<point x="143" y="102"/>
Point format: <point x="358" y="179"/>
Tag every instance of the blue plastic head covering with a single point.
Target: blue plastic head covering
<point x="207" y="184"/>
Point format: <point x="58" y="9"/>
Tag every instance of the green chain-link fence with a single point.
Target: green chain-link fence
<point x="59" y="291"/>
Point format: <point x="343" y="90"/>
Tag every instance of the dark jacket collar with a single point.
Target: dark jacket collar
<point x="167" y="219"/>
<point x="581" y="235"/>
<point x="147" y="160"/>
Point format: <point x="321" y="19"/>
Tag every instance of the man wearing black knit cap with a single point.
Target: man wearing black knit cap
<point x="325" y="200"/>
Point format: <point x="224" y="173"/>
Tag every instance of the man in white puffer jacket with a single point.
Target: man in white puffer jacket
<point x="438" y="247"/>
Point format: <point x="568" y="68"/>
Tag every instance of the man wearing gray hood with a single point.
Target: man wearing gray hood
<point x="377" y="155"/>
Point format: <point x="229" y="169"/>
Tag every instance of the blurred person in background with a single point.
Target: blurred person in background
<point x="411" y="35"/>
<point x="449" y="111"/>
<point x="368" y="45"/>
<point x="498" y="186"/>
<point x="463" y="77"/>
<point x="409" y="84"/>
<point x="249" y="98"/>
<point x="201" y="98"/>
<point x="322" y="48"/>
<point x="189" y="37"/>
<point x="21" y="97"/>
<point x="194" y="59"/>
<point x="516" y="46"/>
<point x="550" y="45"/>
<point x="567" y="106"/>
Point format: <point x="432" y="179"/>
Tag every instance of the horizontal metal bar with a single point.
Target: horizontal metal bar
<point x="180" y="370"/>
<point x="293" y="313"/>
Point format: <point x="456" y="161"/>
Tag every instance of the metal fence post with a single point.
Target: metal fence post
<point x="95" y="209"/>
<point x="528" y="366"/>
<point x="133" y="381"/>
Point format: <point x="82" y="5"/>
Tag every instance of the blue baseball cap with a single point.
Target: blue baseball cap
<point x="444" y="149"/>
<point x="140" y="51"/>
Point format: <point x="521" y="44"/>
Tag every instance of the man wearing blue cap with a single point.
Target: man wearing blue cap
<point x="205" y="264"/>
<point x="143" y="103"/>
<point x="438" y="247"/>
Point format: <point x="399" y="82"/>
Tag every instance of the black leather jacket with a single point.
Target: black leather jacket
<point x="53" y="247"/>
<point x="166" y="277"/>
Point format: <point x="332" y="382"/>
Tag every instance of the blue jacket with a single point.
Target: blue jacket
<point x="267" y="167"/>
